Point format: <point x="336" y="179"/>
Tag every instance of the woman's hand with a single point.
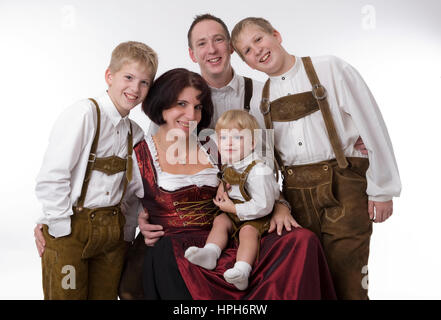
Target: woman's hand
<point x="151" y="232"/>
<point x="39" y="239"/>
<point x="380" y="211"/>
<point x="282" y="218"/>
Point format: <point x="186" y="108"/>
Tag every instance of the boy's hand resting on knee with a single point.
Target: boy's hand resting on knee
<point x="282" y="218"/>
<point x="380" y="211"/>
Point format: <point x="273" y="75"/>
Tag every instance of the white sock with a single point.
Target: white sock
<point x="238" y="275"/>
<point x="205" y="257"/>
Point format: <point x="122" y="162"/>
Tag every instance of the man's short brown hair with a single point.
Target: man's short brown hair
<point x="203" y="17"/>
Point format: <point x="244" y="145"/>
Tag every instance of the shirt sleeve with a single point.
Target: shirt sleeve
<point x="263" y="189"/>
<point x="72" y="132"/>
<point x="131" y="204"/>
<point x="383" y="180"/>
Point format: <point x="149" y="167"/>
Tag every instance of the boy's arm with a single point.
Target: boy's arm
<point x="131" y="205"/>
<point x="263" y="189"/>
<point x="383" y="180"/>
<point x="72" y="132"/>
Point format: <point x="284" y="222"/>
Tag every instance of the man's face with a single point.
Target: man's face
<point x="210" y="48"/>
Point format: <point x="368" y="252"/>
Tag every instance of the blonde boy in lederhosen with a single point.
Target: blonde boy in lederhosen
<point x="317" y="108"/>
<point x="248" y="204"/>
<point x="86" y="172"/>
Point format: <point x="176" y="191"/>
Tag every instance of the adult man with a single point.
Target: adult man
<point x="209" y="46"/>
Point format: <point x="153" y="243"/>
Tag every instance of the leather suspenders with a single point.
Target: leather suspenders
<point x="108" y="165"/>
<point x="294" y="107"/>
<point x="248" y="93"/>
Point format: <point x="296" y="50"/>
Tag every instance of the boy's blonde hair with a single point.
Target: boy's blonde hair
<point x="239" y="119"/>
<point x="259" y="22"/>
<point x="133" y="51"/>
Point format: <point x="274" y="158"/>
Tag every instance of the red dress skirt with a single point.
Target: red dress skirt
<point x="291" y="266"/>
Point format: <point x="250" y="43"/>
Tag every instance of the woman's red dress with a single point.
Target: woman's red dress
<point x="291" y="266"/>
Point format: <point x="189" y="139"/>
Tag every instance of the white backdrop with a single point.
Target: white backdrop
<point x="55" y="52"/>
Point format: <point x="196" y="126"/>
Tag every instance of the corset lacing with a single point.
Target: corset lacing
<point x="208" y="208"/>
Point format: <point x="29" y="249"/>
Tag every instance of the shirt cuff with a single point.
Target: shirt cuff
<point x="380" y="198"/>
<point x="239" y="212"/>
<point x="60" y="227"/>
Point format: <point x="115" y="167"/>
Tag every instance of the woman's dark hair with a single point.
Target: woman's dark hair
<point x="165" y="91"/>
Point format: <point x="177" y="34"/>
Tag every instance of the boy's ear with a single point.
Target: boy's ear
<point x="108" y="77"/>
<point x="277" y="35"/>
<point x="231" y="47"/>
<point x="191" y="53"/>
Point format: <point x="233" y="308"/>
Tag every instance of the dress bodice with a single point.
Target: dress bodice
<point x="189" y="207"/>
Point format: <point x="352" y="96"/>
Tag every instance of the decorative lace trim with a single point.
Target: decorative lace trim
<point x="154" y="153"/>
<point x="170" y="181"/>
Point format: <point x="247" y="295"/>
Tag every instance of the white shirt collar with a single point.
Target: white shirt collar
<point x="242" y="164"/>
<point x="107" y="106"/>
<point x="233" y="84"/>
<point x="291" y="73"/>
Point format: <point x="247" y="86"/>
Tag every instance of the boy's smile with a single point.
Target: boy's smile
<point x="262" y="51"/>
<point x="128" y="86"/>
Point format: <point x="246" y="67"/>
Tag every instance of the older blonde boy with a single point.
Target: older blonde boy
<point x="85" y="174"/>
<point x="318" y="107"/>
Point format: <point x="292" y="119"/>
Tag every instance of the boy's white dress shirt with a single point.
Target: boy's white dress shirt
<point x="64" y="165"/>
<point x="355" y="113"/>
<point x="261" y="186"/>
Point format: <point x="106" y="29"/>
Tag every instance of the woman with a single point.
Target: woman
<point x="178" y="191"/>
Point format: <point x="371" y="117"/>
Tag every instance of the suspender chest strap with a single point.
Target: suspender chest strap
<point x="297" y="106"/>
<point x="108" y="165"/>
<point x="92" y="157"/>
<point x="320" y="94"/>
<point x="231" y="176"/>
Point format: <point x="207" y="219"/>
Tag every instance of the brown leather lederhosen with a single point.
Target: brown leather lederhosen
<point x="229" y="175"/>
<point x="95" y="248"/>
<point x="329" y="197"/>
